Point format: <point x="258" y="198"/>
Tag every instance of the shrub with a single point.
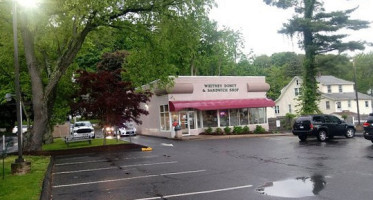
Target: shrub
<point x="208" y="130"/>
<point x="289" y="120"/>
<point x="259" y="129"/>
<point x="219" y="131"/>
<point x="227" y="130"/>
<point x="237" y="130"/>
<point x="344" y="116"/>
<point x="246" y="129"/>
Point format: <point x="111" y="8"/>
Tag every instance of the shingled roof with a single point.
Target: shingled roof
<point x="346" y="96"/>
<point x="332" y="80"/>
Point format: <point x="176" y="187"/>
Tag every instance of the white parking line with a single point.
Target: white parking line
<point x="125" y="179"/>
<point x="194" y="193"/>
<point x="92" y="161"/>
<point x="106" y="168"/>
<point x="74" y="163"/>
<point x="148" y="164"/>
<point x="85" y="170"/>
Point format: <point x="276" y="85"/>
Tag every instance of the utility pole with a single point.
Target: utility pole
<point x="19" y="166"/>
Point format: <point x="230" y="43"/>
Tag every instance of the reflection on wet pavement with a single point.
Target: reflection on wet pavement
<point x="294" y="188"/>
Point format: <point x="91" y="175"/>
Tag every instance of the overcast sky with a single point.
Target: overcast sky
<point x="259" y="23"/>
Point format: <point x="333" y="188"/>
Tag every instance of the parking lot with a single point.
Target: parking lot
<point x="218" y="169"/>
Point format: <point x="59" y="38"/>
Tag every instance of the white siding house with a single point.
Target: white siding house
<point x="337" y="95"/>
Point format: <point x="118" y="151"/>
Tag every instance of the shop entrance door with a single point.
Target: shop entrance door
<point x="187" y="122"/>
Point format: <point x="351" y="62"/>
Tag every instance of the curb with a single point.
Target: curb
<point x="107" y="148"/>
<point x="46" y="190"/>
<point x="214" y="137"/>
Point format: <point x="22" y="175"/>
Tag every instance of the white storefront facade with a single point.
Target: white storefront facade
<point x="196" y="103"/>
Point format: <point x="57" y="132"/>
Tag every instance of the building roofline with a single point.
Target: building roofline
<point x="286" y="87"/>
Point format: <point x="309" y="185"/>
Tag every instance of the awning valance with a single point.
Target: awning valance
<point x="221" y="104"/>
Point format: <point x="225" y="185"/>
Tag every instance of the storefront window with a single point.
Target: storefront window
<point x="234" y="117"/>
<point x="198" y="119"/>
<point x="224" y="118"/>
<point x="164" y="118"/>
<point x="257" y="115"/>
<point x="244" y="120"/>
<point x="209" y="118"/>
<point x="175" y="119"/>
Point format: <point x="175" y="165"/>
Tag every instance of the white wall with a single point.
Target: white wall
<point x="333" y="106"/>
<point x="151" y="123"/>
<point x="335" y="88"/>
<point x="287" y="98"/>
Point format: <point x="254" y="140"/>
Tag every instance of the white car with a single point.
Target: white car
<point x="83" y="128"/>
<point x="15" y="129"/>
<point x="127" y="129"/>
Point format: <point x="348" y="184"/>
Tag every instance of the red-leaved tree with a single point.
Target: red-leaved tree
<point x="104" y="96"/>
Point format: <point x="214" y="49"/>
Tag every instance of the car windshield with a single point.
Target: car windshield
<point x="301" y="119"/>
<point x="81" y="124"/>
<point x="129" y="125"/>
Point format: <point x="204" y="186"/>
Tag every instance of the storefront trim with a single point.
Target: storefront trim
<point x="221" y="104"/>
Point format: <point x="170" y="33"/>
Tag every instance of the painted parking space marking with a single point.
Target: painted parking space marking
<point x="75" y="163"/>
<point x="196" y="193"/>
<point x="104" y="160"/>
<point x="129" y="178"/>
<point x="107" y="168"/>
<point x="85" y="170"/>
<point x="167" y="145"/>
<point x="149" y="164"/>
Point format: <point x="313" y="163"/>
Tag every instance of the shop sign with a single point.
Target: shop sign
<point x="220" y="88"/>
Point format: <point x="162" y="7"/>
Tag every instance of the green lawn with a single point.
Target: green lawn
<point x="27" y="187"/>
<point x="59" y="144"/>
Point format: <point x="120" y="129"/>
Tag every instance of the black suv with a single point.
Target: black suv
<point x="368" y="128"/>
<point x="322" y="126"/>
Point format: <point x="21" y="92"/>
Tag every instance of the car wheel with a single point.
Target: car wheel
<point x="302" y="137"/>
<point x="350" y="133"/>
<point x="321" y="136"/>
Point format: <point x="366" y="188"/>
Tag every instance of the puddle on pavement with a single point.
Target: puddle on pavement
<point x="294" y="188"/>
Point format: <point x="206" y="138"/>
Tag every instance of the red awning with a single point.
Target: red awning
<point x="221" y="104"/>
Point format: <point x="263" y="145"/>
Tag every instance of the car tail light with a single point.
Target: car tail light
<point x="311" y="126"/>
<point x="366" y="124"/>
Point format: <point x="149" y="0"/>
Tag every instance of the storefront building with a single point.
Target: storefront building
<point x="199" y="102"/>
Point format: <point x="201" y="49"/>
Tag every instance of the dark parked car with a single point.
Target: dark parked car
<point x="322" y="127"/>
<point x="368" y="128"/>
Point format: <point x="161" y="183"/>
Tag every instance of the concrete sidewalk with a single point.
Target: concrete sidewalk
<point x="214" y="137"/>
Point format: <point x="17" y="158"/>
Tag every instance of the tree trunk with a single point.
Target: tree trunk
<point x="39" y="106"/>
<point x="309" y="91"/>
<point x="43" y="98"/>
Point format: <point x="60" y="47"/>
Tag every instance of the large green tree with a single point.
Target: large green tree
<point x="319" y="32"/>
<point x="53" y="34"/>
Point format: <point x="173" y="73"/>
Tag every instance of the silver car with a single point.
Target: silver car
<point x="127" y="129"/>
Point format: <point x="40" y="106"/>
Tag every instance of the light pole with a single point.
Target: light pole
<point x="356" y="93"/>
<point x="20" y="166"/>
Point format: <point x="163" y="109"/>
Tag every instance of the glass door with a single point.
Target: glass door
<point x="187" y="121"/>
<point x="191" y="120"/>
<point x="184" y="122"/>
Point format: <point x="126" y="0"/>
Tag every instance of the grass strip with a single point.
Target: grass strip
<point x="59" y="144"/>
<point x="23" y="187"/>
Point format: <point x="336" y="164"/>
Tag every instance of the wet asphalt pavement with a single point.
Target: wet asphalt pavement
<point x="227" y="169"/>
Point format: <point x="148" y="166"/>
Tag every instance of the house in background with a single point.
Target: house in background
<point x="337" y="96"/>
